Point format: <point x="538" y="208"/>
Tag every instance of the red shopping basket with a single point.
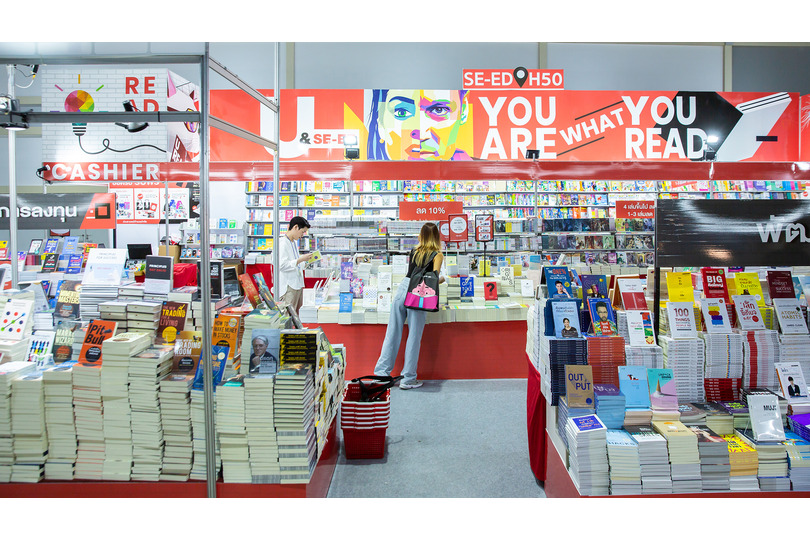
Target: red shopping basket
<point x="369" y="400"/>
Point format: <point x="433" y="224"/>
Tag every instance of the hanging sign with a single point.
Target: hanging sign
<point x="484" y="228"/>
<point x="458" y="228"/>
<point x="428" y="210"/>
<point x="519" y="78"/>
<point x="60" y="211"/>
<point x="635" y="209"/>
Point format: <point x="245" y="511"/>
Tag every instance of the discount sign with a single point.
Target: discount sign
<point x="428" y="210"/>
<point x="458" y="228"/>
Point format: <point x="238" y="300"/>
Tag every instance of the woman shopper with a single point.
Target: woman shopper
<point x="420" y="257"/>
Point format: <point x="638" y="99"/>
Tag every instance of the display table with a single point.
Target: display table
<point x="318" y="485"/>
<point x="460" y="350"/>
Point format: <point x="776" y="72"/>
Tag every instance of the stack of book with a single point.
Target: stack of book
<point x="718" y="419"/>
<point x="91" y="295"/>
<point x="59" y="421"/>
<point x="15" y="350"/>
<point x="28" y="428"/>
<point x="760" y="352"/>
<point x="772" y="470"/>
<point x="723" y="369"/>
<point x="115" y="310"/>
<point x="130" y="291"/>
<point x="654" y="460"/>
<point x="294" y="416"/>
<point x="564" y="412"/>
<point x="684" y="457"/>
<point x="798" y="452"/>
<point x="9" y="372"/>
<point x="796" y="348"/>
<point x="738" y="412"/>
<point x="625" y="467"/>
<point x="175" y="418"/>
<point x="610" y="405"/>
<point x="117" y="418"/>
<point x="744" y="463"/>
<point x="261" y="429"/>
<point x="685" y="357"/>
<point x="199" y="466"/>
<point x="605" y="355"/>
<point x="800" y="425"/>
<point x="649" y="357"/>
<point x="556" y="354"/>
<point x="87" y="407"/>
<point x="231" y="430"/>
<point x="587" y="460"/>
<point x="691" y="414"/>
<point x="143" y="317"/>
<point x="146" y="369"/>
<point x="715" y="466"/>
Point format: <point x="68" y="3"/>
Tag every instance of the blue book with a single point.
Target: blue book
<point x="594" y="286"/>
<point x="467" y="286"/>
<point x="51" y="244"/>
<point x="588" y="423"/>
<point x="633" y="384"/>
<point x="558" y="282"/>
<point x="566" y="319"/>
<point x="797" y="287"/>
<point x="219" y="358"/>
<point x="661" y="385"/>
<point x="74" y="264"/>
<point x="345" y="302"/>
<point x="346" y="270"/>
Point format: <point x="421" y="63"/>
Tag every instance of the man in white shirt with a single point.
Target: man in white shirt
<point x="291" y="274"/>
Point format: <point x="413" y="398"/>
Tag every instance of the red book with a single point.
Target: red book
<point x="98" y="330"/>
<point x="250" y="290"/>
<point x="714" y="283"/>
<point x="780" y="284"/>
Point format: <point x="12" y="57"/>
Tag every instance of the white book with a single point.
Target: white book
<point x="104" y="267"/>
<point x="748" y="315"/>
<point x="792" y="382"/>
<point x="681" y="320"/>
<point x="715" y="314"/>
<point x="766" y="420"/>
<point x="789" y="314"/>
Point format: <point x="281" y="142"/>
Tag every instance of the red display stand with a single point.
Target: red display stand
<point x="536" y="423"/>
<point x="462" y="350"/>
<point x="266" y="270"/>
<point x="318" y="485"/>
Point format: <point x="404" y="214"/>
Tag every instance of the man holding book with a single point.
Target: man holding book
<point x="290" y="261"/>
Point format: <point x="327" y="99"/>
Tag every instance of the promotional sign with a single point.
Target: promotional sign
<point x="805" y="128"/>
<point x="502" y="124"/>
<point x="444" y="230"/>
<point x="458" y="227"/>
<point x="428" y="210"/>
<point x="515" y="79"/>
<point x="635" y="209"/>
<point x="715" y="232"/>
<point x="484" y="228"/>
<point x="61" y="211"/>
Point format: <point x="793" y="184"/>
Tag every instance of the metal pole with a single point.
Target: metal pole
<point x="205" y="286"/>
<point x="12" y="189"/>
<point x="276" y="125"/>
<point x="166" y="213"/>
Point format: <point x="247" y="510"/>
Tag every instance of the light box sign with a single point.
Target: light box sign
<point x="502" y="124"/>
<point x="635" y="209"/>
<point x="60" y="211"/>
<point x="428" y="210"/>
<point x="705" y="232"/>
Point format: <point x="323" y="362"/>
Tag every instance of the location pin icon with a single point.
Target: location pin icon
<point x="521" y="74"/>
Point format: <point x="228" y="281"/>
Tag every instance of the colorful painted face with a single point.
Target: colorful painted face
<point x="422" y="124"/>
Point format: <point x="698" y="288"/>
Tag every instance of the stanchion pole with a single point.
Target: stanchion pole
<point x="12" y="189"/>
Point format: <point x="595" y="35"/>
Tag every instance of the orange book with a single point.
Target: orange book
<point x="98" y="330"/>
<point x="226" y="333"/>
<point x="251" y="292"/>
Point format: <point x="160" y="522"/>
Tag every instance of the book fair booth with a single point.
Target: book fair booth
<point x="637" y="256"/>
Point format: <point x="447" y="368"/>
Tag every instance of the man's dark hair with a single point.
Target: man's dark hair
<point x="299" y="222"/>
<point x="602" y="304"/>
<point x="558" y="282"/>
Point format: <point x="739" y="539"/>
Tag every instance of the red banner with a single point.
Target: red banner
<point x="635" y="209"/>
<point x="428" y="210"/>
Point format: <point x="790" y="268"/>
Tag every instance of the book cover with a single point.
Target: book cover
<point x="681" y="317"/>
<point x="766" y="420"/>
<point x="98" y="331"/>
<point x="558" y="281"/>
<point x="74" y="264"/>
<point x="661" y="385"/>
<point x="631" y="291"/>
<point x="346" y="299"/>
<point x="68" y="300"/>
<point x="104" y="267"/>
<point x="508" y="275"/>
<point x="679" y="287"/>
<point x="714" y="283"/>
<point x="467" y="286"/>
<point x="780" y="284"/>
<point x="579" y="386"/>
<point x="264" y="350"/>
<point x="250" y="290"/>
<point x="51" y="245"/>
<point x="603" y="322"/>
<point x="792" y="382"/>
<point x="805" y="283"/>
<point x="63" y="341"/>
<point x="747" y="283"/>
<point x="71" y="245"/>
<point x="158" y="274"/>
<point x="587" y="423"/>
<point x="594" y="286"/>
<point x="35" y="246"/>
<point x="225" y="332"/>
<point x="172" y="321"/>
<point x="715" y="315"/>
<point x="187" y="351"/>
<point x="217" y="279"/>
<point x="633" y="384"/>
<point x="748" y="315"/>
<point x="50" y="262"/>
<point x="566" y="319"/>
<point x="346" y="270"/>
<point x="219" y="359"/>
<point x="15" y="319"/>
<point x="797" y="287"/>
<point x="790" y="317"/>
<point x="640" y="328"/>
<point x="264" y="290"/>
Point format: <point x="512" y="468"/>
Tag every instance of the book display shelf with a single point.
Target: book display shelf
<point x="227" y="241"/>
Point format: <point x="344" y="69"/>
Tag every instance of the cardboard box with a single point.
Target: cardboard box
<point x="174" y="252"/>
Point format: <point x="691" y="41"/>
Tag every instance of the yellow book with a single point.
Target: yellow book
<point x="679" y="287"/>
<point x="517" y="269"/>
<point x="748" y="283"/>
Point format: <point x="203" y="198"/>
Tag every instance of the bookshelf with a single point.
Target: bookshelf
<point x="226" y="242"/>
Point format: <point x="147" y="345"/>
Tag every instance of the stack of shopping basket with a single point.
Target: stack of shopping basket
<point x="364" y="414"/>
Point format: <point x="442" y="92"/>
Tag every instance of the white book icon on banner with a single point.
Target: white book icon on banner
<point x="758" y="118"/>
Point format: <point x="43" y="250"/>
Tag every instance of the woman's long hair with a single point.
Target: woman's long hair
<point x="429" y="242"/>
